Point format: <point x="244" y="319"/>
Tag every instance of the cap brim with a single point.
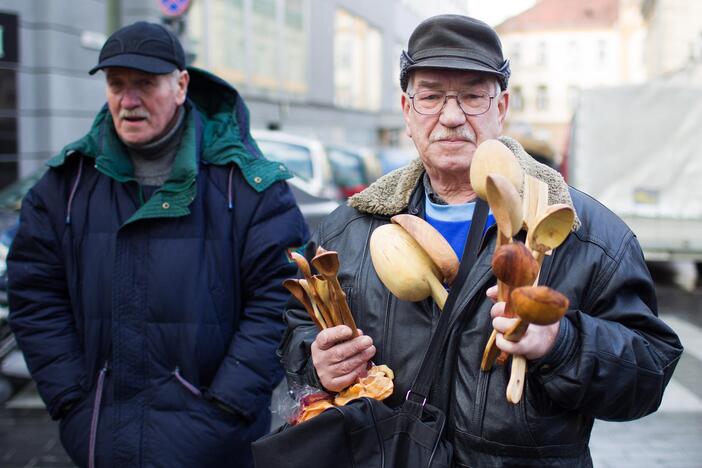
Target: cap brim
<point x="453" y="63"/>
<point x="152" y="65"/>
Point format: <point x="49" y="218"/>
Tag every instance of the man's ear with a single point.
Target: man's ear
<point x="183" y="81"/>
<point x="406" y="108"/>
<point x="503" y="106"/>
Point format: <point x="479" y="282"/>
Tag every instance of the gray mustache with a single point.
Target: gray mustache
<point x="461" y="133"/>
<point x="133" y="113"/>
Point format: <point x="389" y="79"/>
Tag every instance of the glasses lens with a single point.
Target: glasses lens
<point x="474" y="104"/>
<point x="429" y="102"/>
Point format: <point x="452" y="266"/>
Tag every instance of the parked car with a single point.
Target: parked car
<point x="13" y="370"/>
<point x="353" y="168"/>
<point x="393" y="157"/>
<point x="305" y="157"/>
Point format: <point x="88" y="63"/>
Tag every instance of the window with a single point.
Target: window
<point x="602" y="51"/>
<point x="542" y="98"/>
<point x="572" y="54"/>
<point x="273" y="56"/>
<point x="357" y="62"/>
<point x="264" y="72"/>
<point x="295" y="47"/>
<point x="516" y="54"/>
<point x="541" y="54"/>
<point x="516" y="98"/>
<point x="214" y="23"/>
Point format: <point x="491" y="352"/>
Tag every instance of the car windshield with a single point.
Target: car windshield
<point x="347" y="168"/>
<point x="297" y="158"/>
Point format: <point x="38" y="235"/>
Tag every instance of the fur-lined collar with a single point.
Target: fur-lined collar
<point x="390" y="194"/>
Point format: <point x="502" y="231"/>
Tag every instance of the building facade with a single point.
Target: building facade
<point x="323" y="68"/>
<point x="559" y="47"/>
<point x="674" y="39"/>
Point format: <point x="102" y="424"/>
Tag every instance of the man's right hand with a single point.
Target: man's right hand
<point x="340" y="360"/>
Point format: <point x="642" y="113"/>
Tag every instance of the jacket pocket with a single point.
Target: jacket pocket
<point x="200" y="403"/>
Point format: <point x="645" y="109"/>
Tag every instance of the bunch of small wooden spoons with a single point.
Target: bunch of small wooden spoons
<point x="321" y="294"/>
<point x="497" y="177"/>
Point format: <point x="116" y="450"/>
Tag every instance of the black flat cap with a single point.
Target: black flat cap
<point x="454" y="42"/>
<point x="148" y="47"/>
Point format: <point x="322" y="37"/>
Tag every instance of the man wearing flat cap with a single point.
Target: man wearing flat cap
<point x="146" y="277"/>
<point x="609" y="357"/>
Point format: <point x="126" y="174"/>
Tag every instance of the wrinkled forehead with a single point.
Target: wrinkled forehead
<point x="432" y="78"/>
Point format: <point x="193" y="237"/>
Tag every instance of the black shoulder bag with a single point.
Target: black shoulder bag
<point x="367" y="433"/>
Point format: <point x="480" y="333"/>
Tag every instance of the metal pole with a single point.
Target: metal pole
<point x="114" y="15"/>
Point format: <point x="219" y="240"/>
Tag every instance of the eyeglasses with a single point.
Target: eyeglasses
<point x="433" y="102"/>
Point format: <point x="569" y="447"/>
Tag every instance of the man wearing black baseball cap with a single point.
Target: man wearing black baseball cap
<point x="146" y="276"/>
<point x="609" y="357"/>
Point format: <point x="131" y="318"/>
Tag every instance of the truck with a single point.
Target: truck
<point x="638" y="150"/>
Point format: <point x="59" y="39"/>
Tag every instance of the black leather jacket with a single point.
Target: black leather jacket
<point x="612" y="358"/>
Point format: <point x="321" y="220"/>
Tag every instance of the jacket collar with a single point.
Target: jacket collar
<point x="216" y="133"/>
<point x="396" y="192"/>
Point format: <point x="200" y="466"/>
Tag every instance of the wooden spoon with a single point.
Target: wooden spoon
<point x="404" y="267"/>
<point x="550" y="229"/>
<point x="514" y="265"/>
<point x="493" y="157"/>
<point x="506" y="204"/>
<point x="433" y="243"/>
<point x="548" y="232"/>
<point x="316" y="304"/>
<point x="327" y="263"/>
<point x="538" y="304"/>
<point x="299" y="293"/>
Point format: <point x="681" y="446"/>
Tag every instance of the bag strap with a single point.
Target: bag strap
<point x="423" y="381"/>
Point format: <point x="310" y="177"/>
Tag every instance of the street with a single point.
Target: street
<point x="668" y="438"/>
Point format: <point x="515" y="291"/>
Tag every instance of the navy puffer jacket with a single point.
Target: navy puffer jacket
<point x="158" y="321"/>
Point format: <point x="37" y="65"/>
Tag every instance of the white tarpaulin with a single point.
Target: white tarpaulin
<point x="637" y="150"/>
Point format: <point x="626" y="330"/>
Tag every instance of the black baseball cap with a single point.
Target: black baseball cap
<point x="455" y="42"/>
<point x="148" y="47"/>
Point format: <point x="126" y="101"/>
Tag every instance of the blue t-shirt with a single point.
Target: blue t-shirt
<point x="453" y="222"/>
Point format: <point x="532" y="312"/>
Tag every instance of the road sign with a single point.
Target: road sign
<point x="173" y="8"/>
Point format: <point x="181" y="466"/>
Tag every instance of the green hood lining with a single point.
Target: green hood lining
<point x="225" y="139"/>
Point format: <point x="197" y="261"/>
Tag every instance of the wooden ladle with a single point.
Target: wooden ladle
<point x="493" y="157"/>
<point x="433" y="243"/>
<point x="404" y="267"/>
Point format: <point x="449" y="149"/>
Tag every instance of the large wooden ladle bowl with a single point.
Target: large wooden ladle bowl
<point x="433" y="243"/>
<point x="493" y="157"/>
<point x="404" y="267"/>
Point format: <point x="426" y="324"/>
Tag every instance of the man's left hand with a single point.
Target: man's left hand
<point x="537" y="340"/>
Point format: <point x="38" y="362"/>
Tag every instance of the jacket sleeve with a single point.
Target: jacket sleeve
<point x="41" y="316"/>
<point x="251" y="369"/>
<point x="613" y="359"/>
